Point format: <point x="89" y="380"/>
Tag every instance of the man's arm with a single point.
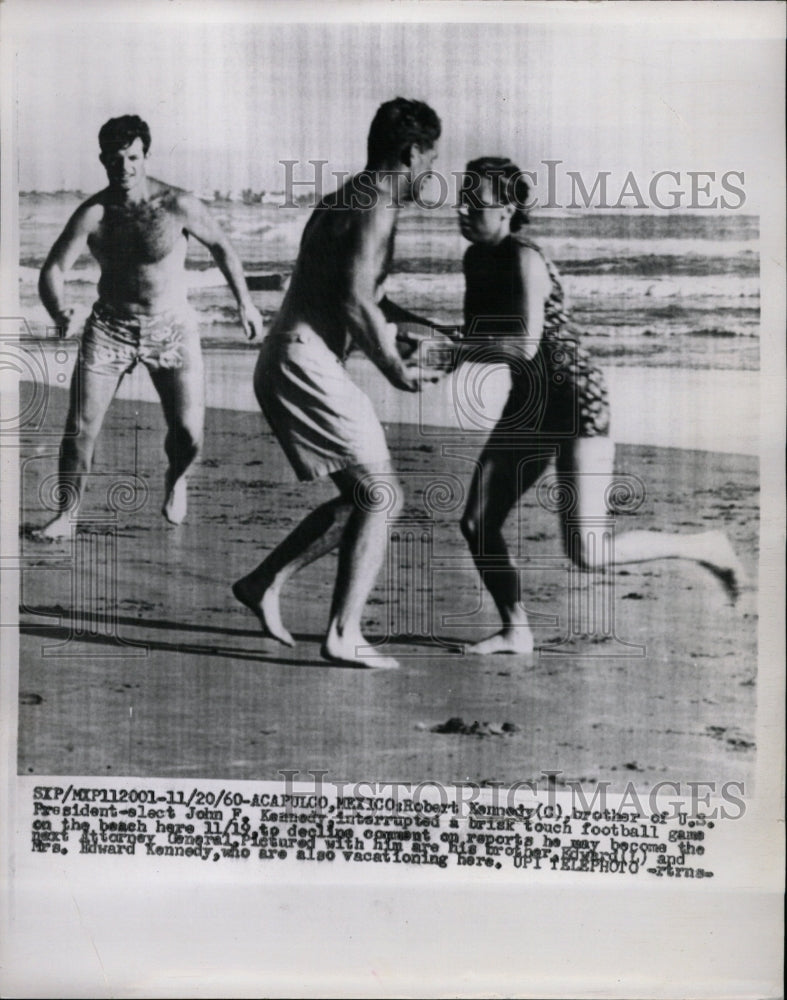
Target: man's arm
<point x="200" y="224"/>
<point x="415" y="329"/>
<point x="365" y="317"/>
<point x="68" y="247"/>
<point x="396" y="314"/>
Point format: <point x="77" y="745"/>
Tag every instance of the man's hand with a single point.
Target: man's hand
<point x="67" y="323"/>
<point x="409" y="337"/>
<point x="251" y="321"/>
<point x="434" y="350"/>
<point x="411" y="377"/>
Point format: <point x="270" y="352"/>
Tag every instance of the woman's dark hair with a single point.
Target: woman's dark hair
<point x="509" y="186"/>
<point x="396" y="126"/>
<point x="118" y="133"/>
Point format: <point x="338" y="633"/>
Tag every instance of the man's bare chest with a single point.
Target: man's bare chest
<point x="137" y="234"/>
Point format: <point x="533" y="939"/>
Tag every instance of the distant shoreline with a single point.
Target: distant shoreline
<point x="703" y="410"/>
<point x="236" y="198"/>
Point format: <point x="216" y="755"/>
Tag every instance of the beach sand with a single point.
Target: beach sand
<point x="137" y="661"/>
<point x="686" y="408"/>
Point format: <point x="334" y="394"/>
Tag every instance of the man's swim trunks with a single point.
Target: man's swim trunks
<point x="323" y="421"/>
<point x="114" y="344"/>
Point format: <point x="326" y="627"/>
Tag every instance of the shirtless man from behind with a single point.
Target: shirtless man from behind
<point x="137" y="228"/>
<point x="324" y="422"/>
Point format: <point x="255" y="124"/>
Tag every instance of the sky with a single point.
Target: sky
<point x="227" y="102"/>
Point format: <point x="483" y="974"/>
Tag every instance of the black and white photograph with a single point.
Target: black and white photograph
<point x="392" y="447"/>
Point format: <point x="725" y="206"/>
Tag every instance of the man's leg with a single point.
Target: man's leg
<point x="356" y="521"/>
<point x="90" y="396"/>
<point x="182" y="394"/>
<point x="375" y="497"/>
<point x="315" y="536"/>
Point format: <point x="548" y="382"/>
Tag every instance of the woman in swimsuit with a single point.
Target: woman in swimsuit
<point x="557" y="408"/>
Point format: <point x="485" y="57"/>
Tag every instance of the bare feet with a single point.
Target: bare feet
<point x="266" y="609"/>
<point x="176" y="503"/>
<point x="722" y="561"/>
<point x="60" y="527"/>
<point x="514" y="639"/>
<point x="345" y="649"/>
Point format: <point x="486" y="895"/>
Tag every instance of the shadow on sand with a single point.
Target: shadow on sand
<point x="76" y="627"/>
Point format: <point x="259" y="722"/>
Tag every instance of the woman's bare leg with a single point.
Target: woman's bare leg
<point x="500" y="479"/>
<point x="585" y="467"/>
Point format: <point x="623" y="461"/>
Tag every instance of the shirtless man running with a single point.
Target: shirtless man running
<point x="323" y="421"/>
<point x="137" y="229"/>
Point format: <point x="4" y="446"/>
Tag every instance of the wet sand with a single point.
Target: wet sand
<point x="687" y="408"/>
<point x="136" y="659"/>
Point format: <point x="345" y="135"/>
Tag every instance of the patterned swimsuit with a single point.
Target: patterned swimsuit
<point x="559" y="391"/>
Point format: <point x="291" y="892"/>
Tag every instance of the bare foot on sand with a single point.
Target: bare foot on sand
<point x="60" y="527"/>
<point x="722" y="561"/>
<point x="266" y="609"/>
<point x="176" y="503"/>
<point x="344" y="649"/>
<point x="516" y="639"/>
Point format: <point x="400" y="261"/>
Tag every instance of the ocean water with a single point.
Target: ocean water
<point x="668" y="290"/>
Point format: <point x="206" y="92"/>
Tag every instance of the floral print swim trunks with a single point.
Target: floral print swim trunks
<point x="114" y="344"/>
